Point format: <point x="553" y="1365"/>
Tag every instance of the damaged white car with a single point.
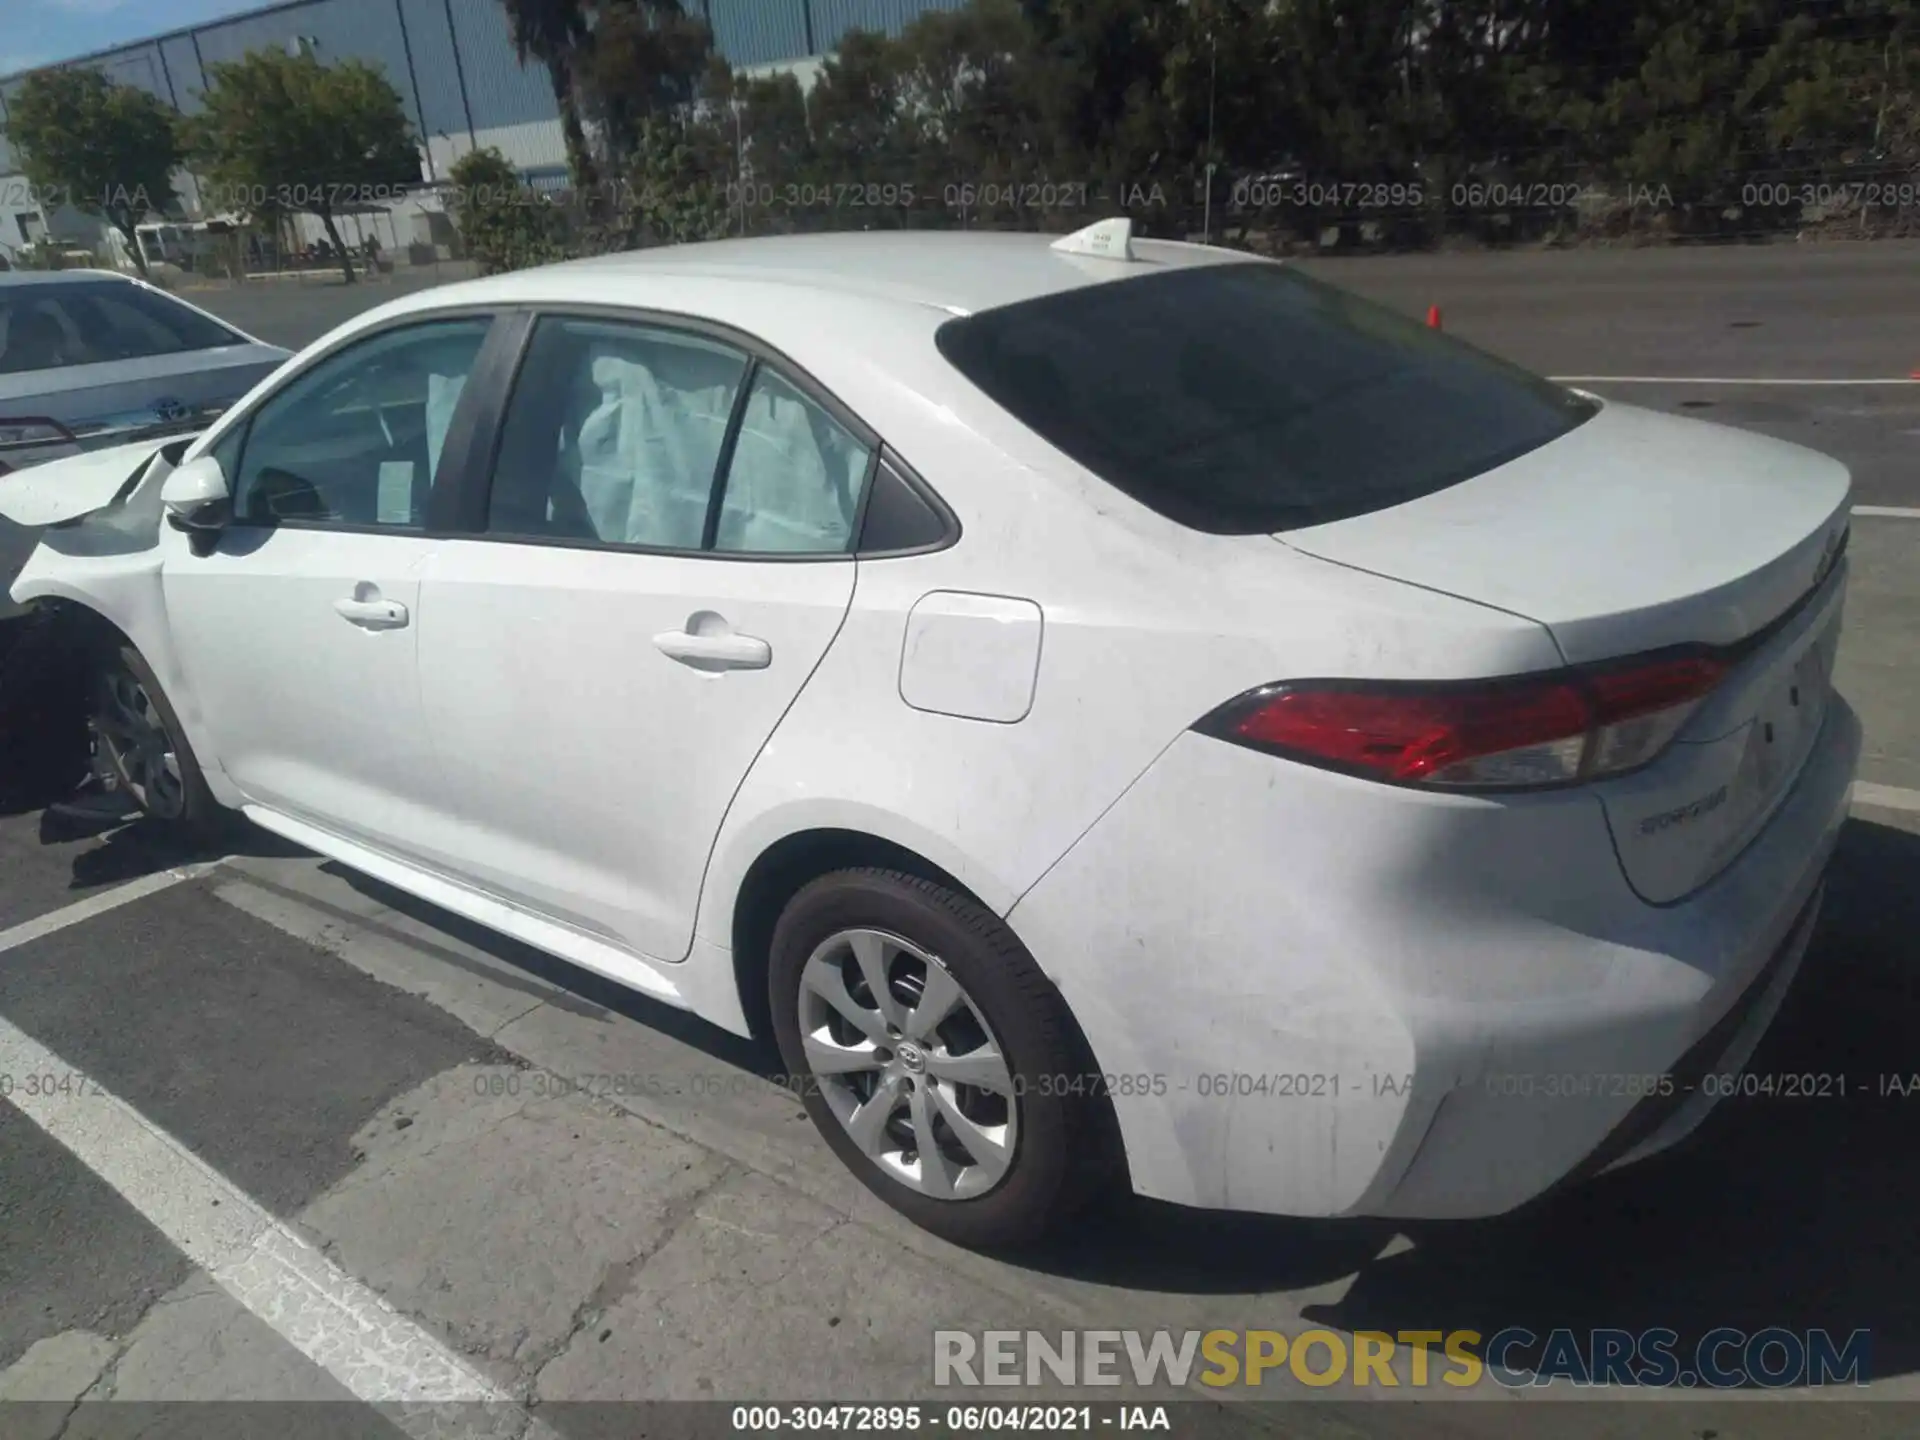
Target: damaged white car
<point x="1116" y="712"/>
<point x="90" y="359"/>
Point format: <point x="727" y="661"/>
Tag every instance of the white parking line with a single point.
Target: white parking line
<point x="1722" y="380"/>
<point x="99" y="904"/>
<point x="379" y="1355"/>
<point x="1887" y="512"/>
<point x="1886" y="797"/>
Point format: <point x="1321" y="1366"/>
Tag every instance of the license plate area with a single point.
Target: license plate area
<point x="1679" y="822"/>
<point x="1788" y="719"/>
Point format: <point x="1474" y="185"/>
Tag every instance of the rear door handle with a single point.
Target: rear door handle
<point x="372" y="614"/>
<point x="725" y="651"/>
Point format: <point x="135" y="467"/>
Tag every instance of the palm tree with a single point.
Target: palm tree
<point x="554" y="32"/>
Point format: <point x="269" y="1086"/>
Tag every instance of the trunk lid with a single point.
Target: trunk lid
<point x="1634" y="532"/>
<point x="120" y="400"/>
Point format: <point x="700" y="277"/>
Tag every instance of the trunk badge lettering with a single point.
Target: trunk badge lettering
<point x="1682" y="814"/>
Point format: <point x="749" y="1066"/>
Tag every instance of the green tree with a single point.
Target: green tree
<point x="678" y="181"/>
<point x="1604" y="105"/>
<point x="644" y="59"/>
<point x="557" y="34"/>
<point x="766" y="144"/>
<point x="861" y="118"/>
<point x="282" y="133"/>
<point x="503" y="223"/>
<point x="1101" y="88"/>
<point x="105" y="148"/>
<point x="970" y="85"/>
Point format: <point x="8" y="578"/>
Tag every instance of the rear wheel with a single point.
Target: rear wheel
<point x="935" y="1059"/>
<point x="141" y="743"/>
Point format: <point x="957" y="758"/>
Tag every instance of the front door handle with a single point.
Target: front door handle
<point x="724" y="651"/>
<point x="372" y="614"/>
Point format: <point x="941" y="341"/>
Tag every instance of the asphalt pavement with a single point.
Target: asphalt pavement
<point x="1817" y="344"/>
<point x="273" y="1133"/>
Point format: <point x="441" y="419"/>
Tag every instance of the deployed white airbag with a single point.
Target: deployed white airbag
<point x="642" y="460"/>
<point x="639" y="456"/>
<point x="786" y="491"/>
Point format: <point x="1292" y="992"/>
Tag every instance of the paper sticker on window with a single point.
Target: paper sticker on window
<point x="396" y="492"/>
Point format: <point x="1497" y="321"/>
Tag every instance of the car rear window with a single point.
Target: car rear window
<point x="1241" y="399"/>
<point x="48" y="326"/>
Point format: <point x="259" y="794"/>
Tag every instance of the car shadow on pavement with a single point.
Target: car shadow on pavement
<point x="1790" y="1212"/>
<point x="580" y="990"/>
<point x="1140" y="1244"/>
<point x="116" y="849"/>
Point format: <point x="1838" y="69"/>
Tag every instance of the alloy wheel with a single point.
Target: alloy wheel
<point x="908" y="1064"/>
<point x="139" y="747"/>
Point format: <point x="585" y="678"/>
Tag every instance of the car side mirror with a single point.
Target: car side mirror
<point x="198" y="501"/>
<point x="196" y="484"/>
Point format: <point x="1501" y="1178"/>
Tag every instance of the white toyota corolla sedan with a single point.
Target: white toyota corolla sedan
<point x="1118" y="712"/>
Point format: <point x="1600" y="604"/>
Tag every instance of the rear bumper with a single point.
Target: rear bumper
<point x="1660" y="1121"/>
<point x="1318" y="996"/>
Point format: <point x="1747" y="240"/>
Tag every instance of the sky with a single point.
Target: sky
<point x="38" y="32"/>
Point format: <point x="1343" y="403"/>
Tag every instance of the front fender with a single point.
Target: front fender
<point x="124" y="589"/>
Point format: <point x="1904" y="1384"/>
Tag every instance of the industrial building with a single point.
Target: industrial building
<point x="454" y="65"/>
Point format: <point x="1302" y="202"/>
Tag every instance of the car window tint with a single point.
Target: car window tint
<point x="793" y="485"/>
<point x="130" y="330"/>
<point x="50" y="325"/>
<point x="1246" y="398"/>
<point x="357" y="439"/>
<point x="613" y="434"/>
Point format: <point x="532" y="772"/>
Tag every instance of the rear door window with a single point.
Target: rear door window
<point x="53" y="324"/>
<point x="630" y="434"/>
<point x="1248" y="398"/>
<point x="795" y="479"/>
<point x="613" y="435"/>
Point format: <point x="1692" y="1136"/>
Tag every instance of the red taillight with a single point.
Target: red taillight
<point x="1642" y="689"/>
<point x="1504" y="734"/>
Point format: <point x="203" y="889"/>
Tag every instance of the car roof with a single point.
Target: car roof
<point x="957" y="272"/>
<point x="54" y="277"/>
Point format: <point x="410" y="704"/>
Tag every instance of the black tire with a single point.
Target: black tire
<point x="1066" y="1152"/>
<point x="43" y="734"/>
<point x="196" y="811"/>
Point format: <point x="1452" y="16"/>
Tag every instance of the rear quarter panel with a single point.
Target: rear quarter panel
<point x="1145" y="628"/>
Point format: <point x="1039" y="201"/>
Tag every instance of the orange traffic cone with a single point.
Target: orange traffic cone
<point x="1433" y="317"/>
